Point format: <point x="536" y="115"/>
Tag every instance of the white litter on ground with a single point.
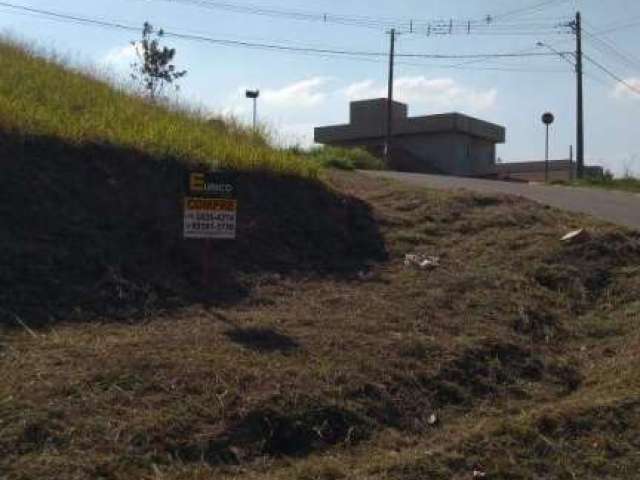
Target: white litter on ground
<point x="424" y="262"/>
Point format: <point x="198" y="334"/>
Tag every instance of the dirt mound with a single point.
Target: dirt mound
<point x="273" y="433"/>
<point x="489" y="370"/>
<point x="584" y="270"/>
<point x="577" y="446"/>
<point x="96" y="230"/>
<point x="497" y="368"/>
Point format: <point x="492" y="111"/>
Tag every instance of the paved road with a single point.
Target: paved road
<point x="618" y="207"/>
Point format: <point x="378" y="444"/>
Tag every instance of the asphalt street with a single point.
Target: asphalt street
<point x="622" y="208"/>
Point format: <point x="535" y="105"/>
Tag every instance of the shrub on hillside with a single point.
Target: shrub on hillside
<point x="346" y="158"/>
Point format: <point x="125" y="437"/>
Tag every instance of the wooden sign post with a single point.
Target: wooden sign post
<point x="210" y="213"/>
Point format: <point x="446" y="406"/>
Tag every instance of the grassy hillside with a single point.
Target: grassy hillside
<point x="91" y="196"/>
<point x="316" y="353"/>
<point x="38" y="98"/>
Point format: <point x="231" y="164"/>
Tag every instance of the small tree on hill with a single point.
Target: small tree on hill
<point x="154" y="68"/>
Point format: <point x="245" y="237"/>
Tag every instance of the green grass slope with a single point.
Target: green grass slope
<point x="38" y="97"/>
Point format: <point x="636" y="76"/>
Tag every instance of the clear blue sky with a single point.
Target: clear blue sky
<point x="303" y="91"/>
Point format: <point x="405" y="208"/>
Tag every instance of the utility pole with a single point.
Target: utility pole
<point x="580" y="106"/>
<point x="387" y="143"/>
<point x="576" y="26"/>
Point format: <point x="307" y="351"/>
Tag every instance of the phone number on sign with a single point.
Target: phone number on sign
<point x="210" y="227"/>
<point x="210" y="217"/>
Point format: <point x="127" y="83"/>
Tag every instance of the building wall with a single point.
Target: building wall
<point x="445" y="153"/>
<point x="559" y="170"/>
<point x="436" y="152"/>
<point x="450" y="143"/>
<point x="482" y="156"/>
<point x="372" y="114"/>
<point x="538" y="176"/>
<point x="452" y="153"/>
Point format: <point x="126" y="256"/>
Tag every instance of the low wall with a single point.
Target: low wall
<point x="559" y="170"/>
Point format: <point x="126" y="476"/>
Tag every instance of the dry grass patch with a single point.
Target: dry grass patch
<point x="324" y="376"/>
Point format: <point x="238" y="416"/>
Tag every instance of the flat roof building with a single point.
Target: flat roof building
<point x="450" y="143"/>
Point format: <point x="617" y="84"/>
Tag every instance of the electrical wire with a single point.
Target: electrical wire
<point x="405" y="25"/>
<point x="616" y="77"/>
<point x="288" y="14"/>
<point x="635" y="21"/>
<point x="609" y="48"/>
<point x="263" y="46"/>
<point x="537" y="7"/>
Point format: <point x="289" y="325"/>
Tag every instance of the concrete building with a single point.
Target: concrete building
<point x="449" y="144"/>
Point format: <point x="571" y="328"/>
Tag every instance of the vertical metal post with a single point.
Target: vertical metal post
<point x="546" y="157"/>
<point x="255" y="113"/>
<point x="253" y="95"/>
<point x="580" y="106"/>
<point x="570" y="162"/>
<point x="206" y="263"/>
<point x="387" y="143"/>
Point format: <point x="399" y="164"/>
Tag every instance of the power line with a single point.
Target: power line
<point x="525" y="10"/>
<point x="609" y="48"/>
<point x="264" y="46"/>
<point x="474" y="55"/>
<point x="405" y="25"/>
<point x="613" y="75"/>
<point x="463" y="66"/>
<point x="620" y="26"/>
<point x="596" y="79"/>
<point x="319" y="17"/>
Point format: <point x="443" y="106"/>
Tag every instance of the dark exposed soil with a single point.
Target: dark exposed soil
<point x="91" y="230"/>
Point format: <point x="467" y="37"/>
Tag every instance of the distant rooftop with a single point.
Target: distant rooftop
<point x="368" y="119"/>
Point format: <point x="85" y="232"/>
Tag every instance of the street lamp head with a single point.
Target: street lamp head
<point x="253" y="93"/>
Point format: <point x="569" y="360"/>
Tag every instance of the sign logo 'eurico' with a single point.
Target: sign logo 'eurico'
<point x="201" y="183"/>
<point x="211" y="207"/>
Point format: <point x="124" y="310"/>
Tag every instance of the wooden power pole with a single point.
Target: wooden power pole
<point x="389" y="133"/>
<point x="580" y="106"/>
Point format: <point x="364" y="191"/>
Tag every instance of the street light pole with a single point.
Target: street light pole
<point x="254" y="94"/>
<point x="255" y="112"/>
